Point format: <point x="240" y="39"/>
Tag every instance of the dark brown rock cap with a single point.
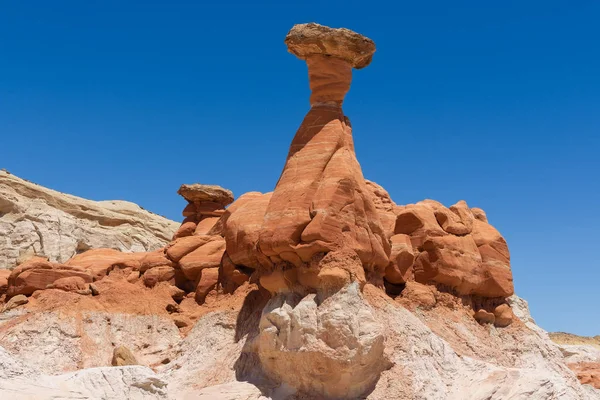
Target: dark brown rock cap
<point x="198" y="193"/>
<point x="304" y="40"/>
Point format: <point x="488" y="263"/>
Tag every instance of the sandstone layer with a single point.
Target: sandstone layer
<point x="38" y="221"/>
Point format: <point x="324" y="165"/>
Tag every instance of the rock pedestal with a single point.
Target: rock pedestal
<point x="321" y="202"/>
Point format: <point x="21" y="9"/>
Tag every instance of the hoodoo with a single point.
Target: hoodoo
<point x="321" y="203"/>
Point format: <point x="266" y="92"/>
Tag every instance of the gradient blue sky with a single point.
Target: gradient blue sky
<point x="495" y="104"/>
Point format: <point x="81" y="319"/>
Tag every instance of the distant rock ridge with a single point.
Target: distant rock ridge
<point x="35" y="220"/>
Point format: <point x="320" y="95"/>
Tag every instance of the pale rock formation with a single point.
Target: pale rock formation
<point x="38" y="221"/>
<point x="22" y="381"/>
<point x="331" y="348"/>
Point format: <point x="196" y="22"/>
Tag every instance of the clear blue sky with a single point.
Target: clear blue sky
<point x="495" y="104"/>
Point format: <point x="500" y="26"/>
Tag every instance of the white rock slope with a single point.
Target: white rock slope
<point x="35" y="220"/>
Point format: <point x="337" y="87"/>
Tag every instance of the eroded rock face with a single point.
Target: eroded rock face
<point x="321" y="202"/>
<point x="453" y="247"/>
<point x="332" y="348"/>
<point x="38" y="221"/>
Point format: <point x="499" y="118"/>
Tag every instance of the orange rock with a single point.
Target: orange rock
<point x="479" y="214"/>
<point x="385" y="207"/>
<point x="162" y="273"/>
<point x="208" y="255"/>
<point x="418" y="294"/>
<point x="484" y="317"/>
<point x="321" y="202"/>
<point x="205" y="225"/>
<point x="230" y="276"/>
<point x="588" y="373"/>
<point x="187" y="228"/>
<point x="4" y="274"/>
<point x="207" y="282"/>
<point x="177" y="249"/>
<point x="101" y="261"/>
<point x="71" y="284"/>
<point x="197" y="193"/>
<point x="242" y="229"/>
<point x="401" y="260"/>
<point x="31" y="279"/>
<point x="503" y="315"/>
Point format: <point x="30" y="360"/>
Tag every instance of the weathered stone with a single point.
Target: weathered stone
<point x="207" y="282"/>
<point x="163" y="273"/>
<point x="38" y="221"/>
<point x="197" y="193"/>
<point x="484" y="317"/>
<point x="305" y="40"/>
<point x="503" y="315"/>
<point x="208" y="255"/>
<point x="123" y="356"/>
<point x="15" y="302"/>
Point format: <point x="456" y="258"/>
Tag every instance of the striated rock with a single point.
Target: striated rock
<point x="242" y="227"/>
<point x="419" y="294"/>
<point x="401" y="260"/>
<point x="385" y="207"/>
<point x="177" y="249"/>
<point x="38" y="221"/>
<point x="208" y="255"/>
<point x="230" y="276"/>
<point x="123" y="356"/>
<point x="333" y="349"/>
<point x="4" y="274"/>
<point x="321" y="202"/>
<point x="37" y="274"/>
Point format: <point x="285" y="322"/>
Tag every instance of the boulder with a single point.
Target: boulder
<point x="484" y="317"/>
<point x="123" y="356"/>
<point x="37" y="274"/>
<point x="503" y="315"/>
<point x="15" y="302"/>
<point x="177" y="249"/>
<point x="163" y="273"/>
<point x="208" y="255"/>
<point x="198" y="193"/>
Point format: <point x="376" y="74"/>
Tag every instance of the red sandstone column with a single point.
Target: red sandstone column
<point x="321" y="203"/>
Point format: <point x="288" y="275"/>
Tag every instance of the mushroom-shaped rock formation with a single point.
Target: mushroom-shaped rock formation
<point x="206" y="203"/>
<point x="321" y="202"/>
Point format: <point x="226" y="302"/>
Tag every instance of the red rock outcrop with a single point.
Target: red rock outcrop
<point x="454" y="247"/>
<point x="37" y="274"/>
<point x="321" y="203"/>
<point x="206" y="204"/>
